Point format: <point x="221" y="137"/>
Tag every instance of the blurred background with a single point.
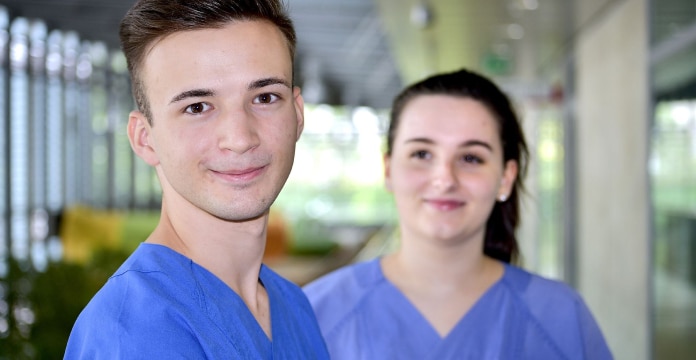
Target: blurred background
<point x="606" y="90"/>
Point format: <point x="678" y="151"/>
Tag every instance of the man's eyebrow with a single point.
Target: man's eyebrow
<point x="464" y="144"/>
<point x="192" y="93"/>
<point x="258" y="84"/>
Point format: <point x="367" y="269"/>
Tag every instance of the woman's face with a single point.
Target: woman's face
<point x="446" y="169"/>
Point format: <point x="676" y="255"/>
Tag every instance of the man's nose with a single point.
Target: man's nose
<point x="238" y="132"/>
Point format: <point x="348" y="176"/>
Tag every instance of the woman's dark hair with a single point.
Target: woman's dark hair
<point x="149" y="21"/>
<point x="500" y="241"/>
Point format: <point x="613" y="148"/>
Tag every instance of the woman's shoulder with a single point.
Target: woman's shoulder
<point x="349" y="280"/>
<point x="339" y="293"/>
<point x="548" y="302"/>
<point x="535" y="289"/>
<point x="558" y="311"/>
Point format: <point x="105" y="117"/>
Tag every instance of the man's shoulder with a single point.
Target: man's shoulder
<point x="153" y="258"/>
<point x="129" y="312"/>
<point x="125" y="326"/>
<point x="286" y="293"/>
<point x="144" y="284"/>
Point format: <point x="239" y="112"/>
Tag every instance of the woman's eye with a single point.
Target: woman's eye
<point x="472" y="159"/>
<point x="266" y="98"/>
<point x="421" y="154"/>
<point x="197" y="108"/>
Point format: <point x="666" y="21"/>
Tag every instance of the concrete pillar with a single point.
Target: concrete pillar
<point x="613" y="217"/>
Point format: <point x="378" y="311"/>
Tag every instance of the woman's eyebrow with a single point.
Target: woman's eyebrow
<point x="477" y="143"/>
<point x="420" y="140"/>
<point x="467" y="143"/>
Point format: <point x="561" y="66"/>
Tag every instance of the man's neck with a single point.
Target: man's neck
<point x="232" y="251"/>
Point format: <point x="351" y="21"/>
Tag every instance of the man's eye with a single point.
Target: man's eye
<point x="197" y="108"/>
<point x="266" y="98"/>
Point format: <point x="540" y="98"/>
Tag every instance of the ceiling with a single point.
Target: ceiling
<point x="361" y="52"/>
<point x="673" y="44"/>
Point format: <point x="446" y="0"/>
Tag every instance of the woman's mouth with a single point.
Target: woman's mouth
<point x="445" y="204"/>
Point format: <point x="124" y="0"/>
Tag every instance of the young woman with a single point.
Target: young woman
<point x="455" y="160"/>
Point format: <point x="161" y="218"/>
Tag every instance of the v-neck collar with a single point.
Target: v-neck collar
<point x="416" y="316"/>
<point x="227" y="310"/>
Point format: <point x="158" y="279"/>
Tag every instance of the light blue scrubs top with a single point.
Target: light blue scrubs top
<point x="522" y="316"/>
<point x="161" y="305"/>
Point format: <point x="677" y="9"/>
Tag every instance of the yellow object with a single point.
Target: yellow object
<point x="84" y="229"/>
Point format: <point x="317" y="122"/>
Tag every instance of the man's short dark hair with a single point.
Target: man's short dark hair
<point x="151" y="20"/>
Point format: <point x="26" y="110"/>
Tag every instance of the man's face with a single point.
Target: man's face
<point x="226" y="118"/>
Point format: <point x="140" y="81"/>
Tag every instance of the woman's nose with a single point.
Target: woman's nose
<point x="444" y="177"/>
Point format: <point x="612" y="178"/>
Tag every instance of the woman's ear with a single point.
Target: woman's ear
<point x="139" y="135"/>
<point x="386" y="160"/>
<point x="508" y="180"/>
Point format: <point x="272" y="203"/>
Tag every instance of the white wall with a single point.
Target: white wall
<point x="612" y="195"/>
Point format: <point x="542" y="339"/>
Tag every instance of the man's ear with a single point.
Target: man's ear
<point x="299" y="110"/>
<point x="139" y="135"/>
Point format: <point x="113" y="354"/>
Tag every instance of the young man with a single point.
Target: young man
<point x="218" y="118"/>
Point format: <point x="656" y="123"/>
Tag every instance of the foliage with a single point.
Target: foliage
<point x="57" y="296"/>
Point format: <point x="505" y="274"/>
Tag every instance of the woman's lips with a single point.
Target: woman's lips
<point x="445" y="204"/>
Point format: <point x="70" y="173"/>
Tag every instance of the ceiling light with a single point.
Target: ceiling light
<point x="515" y="31"/>
<point x="421" y="15"/>
<point x="530" y="4"/>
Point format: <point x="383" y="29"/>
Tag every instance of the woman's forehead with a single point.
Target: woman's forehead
<point x="443" y="114"/>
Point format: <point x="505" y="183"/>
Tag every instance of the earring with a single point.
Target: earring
<point x="502" y="198"/>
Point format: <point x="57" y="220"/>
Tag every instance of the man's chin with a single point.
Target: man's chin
<point x="238" y="216"/>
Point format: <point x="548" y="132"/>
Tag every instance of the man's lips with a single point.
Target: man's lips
<point x="238" y="175"/>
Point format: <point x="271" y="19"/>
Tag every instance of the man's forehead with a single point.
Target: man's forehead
<point x="204" y="55"/>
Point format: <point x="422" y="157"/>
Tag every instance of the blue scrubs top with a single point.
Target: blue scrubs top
<point x="522" y="316"/>
<point x="161" y="305"/>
